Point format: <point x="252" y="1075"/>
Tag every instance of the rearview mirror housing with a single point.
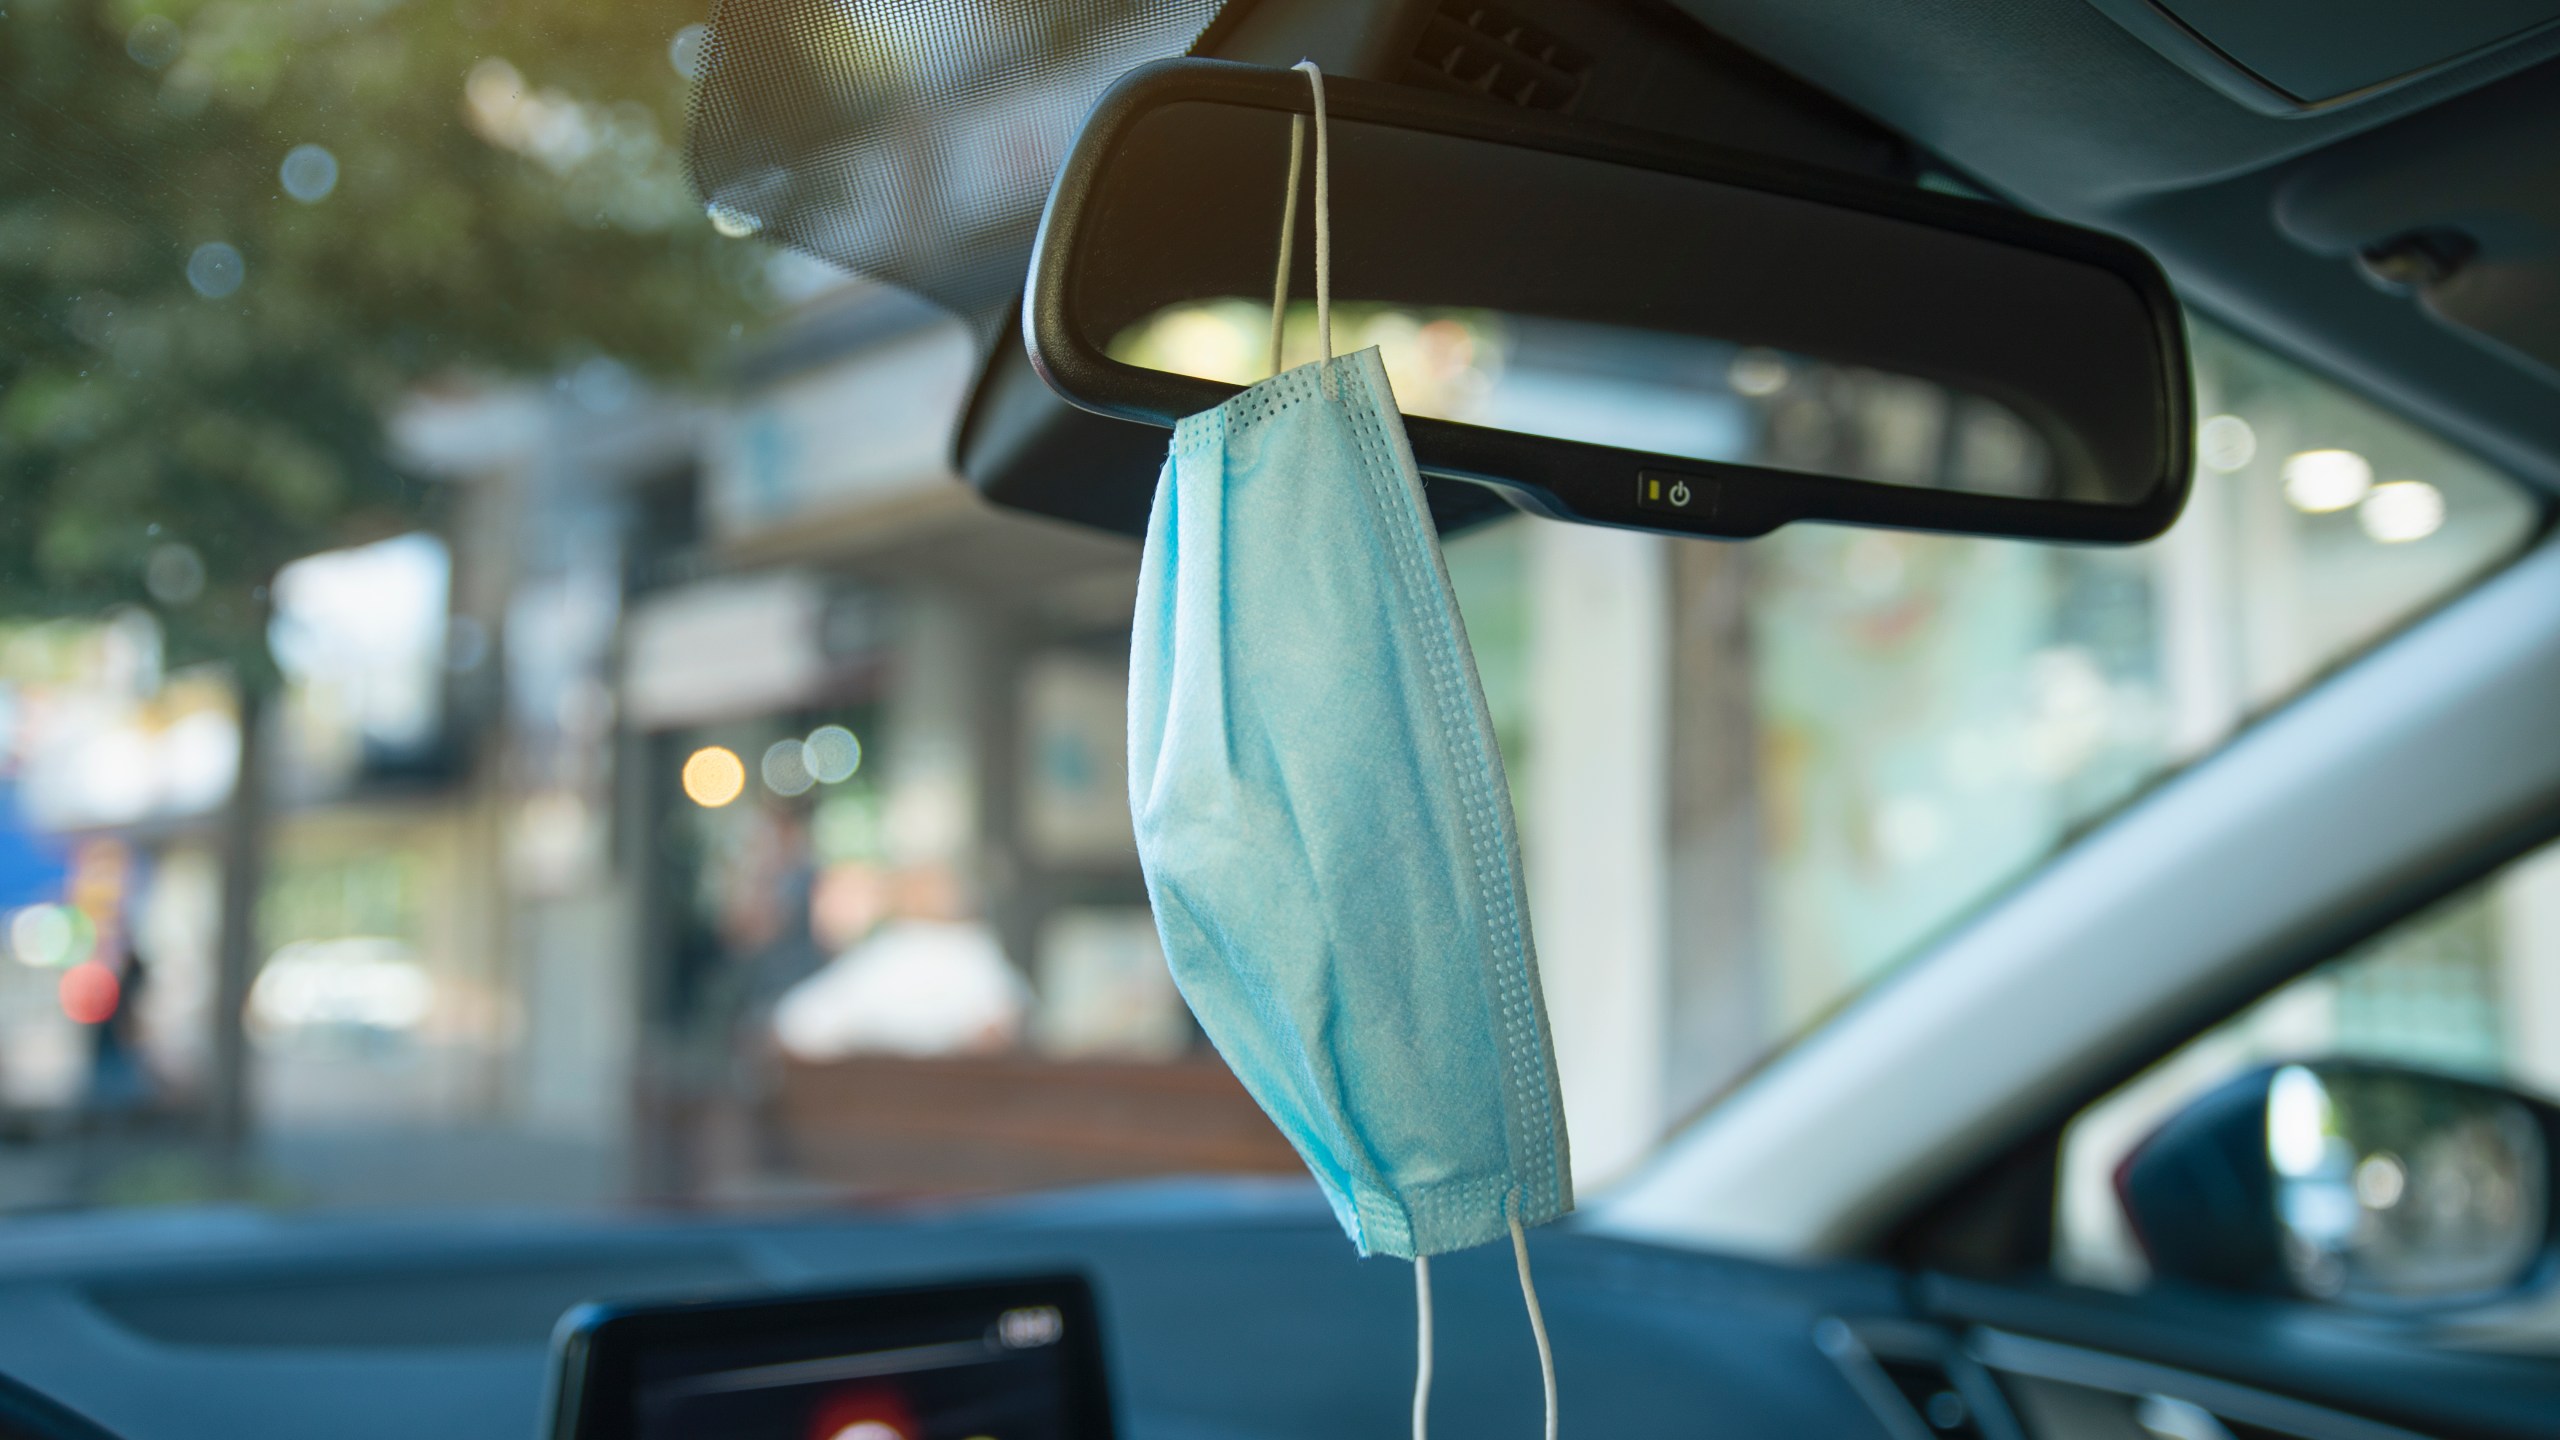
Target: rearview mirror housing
<point x="2068" y="339"/>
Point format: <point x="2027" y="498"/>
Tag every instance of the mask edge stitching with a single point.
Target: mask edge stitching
<point x="1496" y="851"/>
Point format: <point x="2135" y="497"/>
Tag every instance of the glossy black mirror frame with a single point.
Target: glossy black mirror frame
<point x="1573" y="480"/>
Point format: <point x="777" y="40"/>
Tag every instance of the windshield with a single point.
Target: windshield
<point x="502" y="702"/>
<point x="1801" y="759"/>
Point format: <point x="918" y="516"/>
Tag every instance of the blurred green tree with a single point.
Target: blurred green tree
<point x="235" y="233"/>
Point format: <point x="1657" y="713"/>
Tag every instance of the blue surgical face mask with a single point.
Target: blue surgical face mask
<point x="1322" y="814"/>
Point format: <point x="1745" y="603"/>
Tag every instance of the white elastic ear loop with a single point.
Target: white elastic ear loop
<point x="1422" y="1347"/>
<point x="1537" y="1322"/>
<point x="1289" y="226"/>
<point x="1288" y="234"/>
<point x="1324" y="213"/>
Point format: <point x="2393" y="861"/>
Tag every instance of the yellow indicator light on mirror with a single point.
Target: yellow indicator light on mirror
<point x="1680" y="494"/>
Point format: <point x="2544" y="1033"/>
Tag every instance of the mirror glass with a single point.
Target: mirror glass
<point x="1667" y="394"/>
<point x="1566" y="296"/>
<point x="2391" y="1184"/>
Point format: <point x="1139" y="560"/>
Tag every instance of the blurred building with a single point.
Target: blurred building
<point x="925" y="697"/>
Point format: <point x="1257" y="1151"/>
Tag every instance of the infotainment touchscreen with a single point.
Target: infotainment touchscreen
<point x="997" y="1360"/>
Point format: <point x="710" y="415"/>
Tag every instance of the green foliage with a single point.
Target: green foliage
<point x="508" y="199"/>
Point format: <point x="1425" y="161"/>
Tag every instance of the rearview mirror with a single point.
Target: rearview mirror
<point x="1606" y="323"/>
<point x="2349" y="1181"/>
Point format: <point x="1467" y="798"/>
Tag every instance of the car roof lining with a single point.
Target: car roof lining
<point x="2049" y="98"/>
<point x="2053" y="105"/>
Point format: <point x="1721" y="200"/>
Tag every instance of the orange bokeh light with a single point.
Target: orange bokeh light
<point x="714" y="776"/>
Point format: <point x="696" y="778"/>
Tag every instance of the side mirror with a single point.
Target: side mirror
<point x="2349" y="1181"/>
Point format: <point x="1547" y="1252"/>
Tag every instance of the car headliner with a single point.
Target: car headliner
<point x="2053" y="104"/>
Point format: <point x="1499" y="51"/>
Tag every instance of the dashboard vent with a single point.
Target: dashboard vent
<point x="1918" y="1382"/>
<point x="1485" y="50"/>
<point x="1934" y="1397"/>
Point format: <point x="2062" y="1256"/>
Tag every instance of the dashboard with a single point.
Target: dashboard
<point x="1228" y="1312"/>
<point x="1223" y="1311"/>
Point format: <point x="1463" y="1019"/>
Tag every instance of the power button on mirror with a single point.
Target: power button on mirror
<point x="1680" y="494"/>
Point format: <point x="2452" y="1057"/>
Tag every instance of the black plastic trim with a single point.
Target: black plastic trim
<point x="2023" y="1355"/>
<point x="2207" y="1347"/>
<point x="30" y="1414"/>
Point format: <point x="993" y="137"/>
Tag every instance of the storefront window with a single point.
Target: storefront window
<point x="1938" y="715"/>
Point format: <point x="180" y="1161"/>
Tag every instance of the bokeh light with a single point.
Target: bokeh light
<point x="154" y="41"/>
<point x="215" y="269"/>
<point x="2381" y="1180"/>
<point x="2401" y="511"/>
<point x="2226" y="443"/>
<point x="174" y="573"/>
<point x="47" y="936"/>
<point x="685" y="51"/>
<point x="2298" y="1122"/>
<point x="832" y="754"/>
<point x="88" y="993"/>
<point x="309" y="173"/>
<point x="2317" y="482"/>
<point x="714" y="776"/>
<point x="1757" y="373"/>
<point x="786" y="768"/>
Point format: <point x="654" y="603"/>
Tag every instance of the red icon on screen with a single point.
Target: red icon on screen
<point x="864" y="1412"/>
